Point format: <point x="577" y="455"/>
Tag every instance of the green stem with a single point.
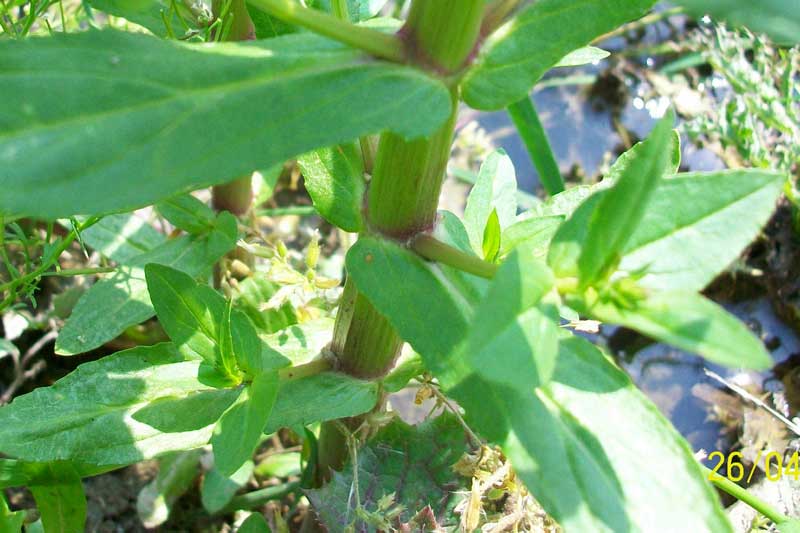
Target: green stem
<point x="311" y="368"/>
<point x="379" y="44"/>
<point x="299" y="210"/>
<point x="79" y="271"/>
<point x="257" y="498"/>
<point x="402" y="200"/>
<point x="742" y="494"/>
<point x="526" y="119"/>
<point x="435" y="250"/>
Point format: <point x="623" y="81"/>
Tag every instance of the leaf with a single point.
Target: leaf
<point x="607" y="482"/>
<point x="359" y="10"/>
<point x="189" y="412"/>
<point x="622" y="207"/>
<point x="534" y="233"/>
<point x="10" y="521"/>
<point x="267" y="26"/>
<point x="187" y="213"/>
<point x="589" y="244"/>
<point x="399" y="377"/>
<point x="122" y="237"/>
<point x="491" y="237"/>
<point x="240" y="346"/>
<point x="60" y="500"/>
<point x="15" y="473"/>
<point x="582" y="56"/>
<point x="593" y="450"/>
<point x="450" y="230"/>
<point x="513" y="340"/>
<point x="688" y="321"/>
<point x="408" y="292"/>
<point x="520" y="52"/>
<point x="321" y="397"/>
<point x="176" y="474"/>
<point x="238" y="432"/>
<point x="218" y="489"/>
<point x="98" y="147"/>
<point x="297" y="344"/>
<point x="495" y="189"/>
<point x="696" y="225"/>
<point x="334" y="178"/>
<point x="148" y="13"/>
<point x="190" y="314"/>
<point x="121" y="300"/>
<point x="86" y="416"/>
<point x="412" y="462"/>
<point x="255" y="523"/>
<point x="780" y="19"/>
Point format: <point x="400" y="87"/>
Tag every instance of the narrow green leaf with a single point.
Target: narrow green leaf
<point x="255" y="523"/>
<point x="334" y="178"/>
<point x="582" y="56"/>
<point x="491" y="237"/>
<point x="450" y="230"/>
<point x="176" y="474"/>
<point x="297" y="344"/>
<point x="15" y="473"/>
<point x="122" y="237"/>
<point x="495" y="189"/>
<point x="513" y="339"/>
<point x="240" y="346"/>
<point x="117" y="302"/>
<point x="148" y="13"/>
<point x="520" y="52"/>
<point x="690" y="322"/>
<point x="218" y="489"/>
<point x="86" y="416"/>
<point x="187" y="213"/>
<point x="593" y="450"/>
<point x="696" y="225"/>
<point x="622" y="207"/>
<point x="403" y="373"/>
<point x="61" y="501"/>
<point x="187" y="412"/>
<point x="98" y="147"/>
<point x="238" y="432"/>
<point x="780" y="19"/>
<point x="267" y="26"/>
<point x="534" y="233"/>
<point x="190" y="313"/>
<point x="321" y="397"/>
<point x="609" y="214"/>
<point x="409" y="292"/>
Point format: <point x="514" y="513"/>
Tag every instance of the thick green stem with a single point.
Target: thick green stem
<point x="530" y="129"/>
<point x="402" y="201"/>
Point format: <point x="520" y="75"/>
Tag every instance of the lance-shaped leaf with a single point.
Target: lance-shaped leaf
<point x="86" y="416"/>
<point x="61" y="504"/>
<point x="239" y="343"/>
<point x="593" y="450"/>
<point x="513" y="340"/>
<point x="494" y="190"/>
<point x="108" y="126"/>
<point x="238" y="432"/>
<point x="688" y="321"/>
<point x="187" y="213"/>
<point x="582" y="56"/>
<point x="534" y="233"/>
<point x="190" y="313"/>
<point x="122" y="237"/>
<point x="334" y="178"/>
<point x="255" y="523"/>
<point x="121" y="300"/>
<point x="696" y="225"/>
<point x="590" y="243"/>
<point x="10" y="521"/>
<point x="585" y="444"/>
<point x="520" y="52"/>
<point x="321" y="397"/>
<point x="621" y="208"/>
<point x="218" y="489"/>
